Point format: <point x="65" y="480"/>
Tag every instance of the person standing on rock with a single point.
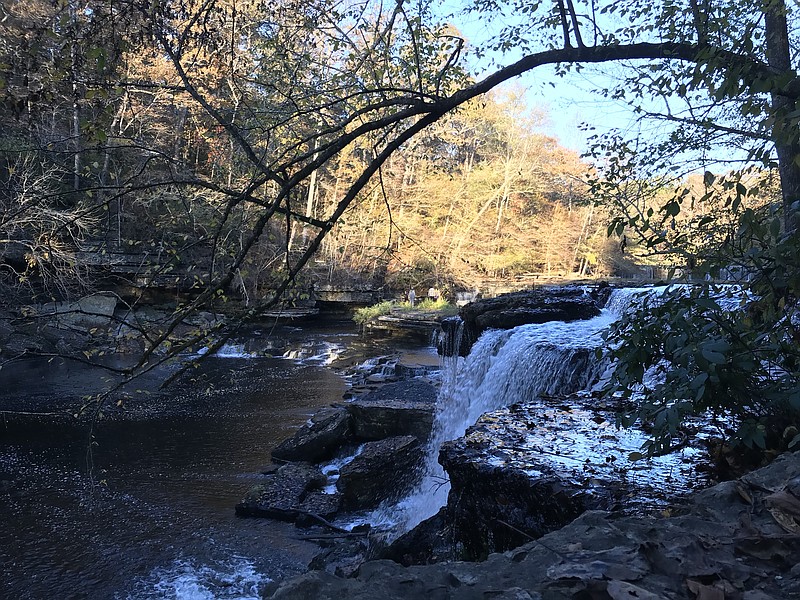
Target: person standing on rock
<point x="412" y="296"/>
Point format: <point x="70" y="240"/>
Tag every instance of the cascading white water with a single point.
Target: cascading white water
<point x="505" y="367"/>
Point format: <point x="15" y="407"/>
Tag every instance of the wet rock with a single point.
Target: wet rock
<point x="410" y="391"/>
<point x="294" y="490"/>
<point x="407" y="371"/>
<point x="605" y="555"/>
<point x="384" y="470"/>
<point x="529" y="469"/>
<point x="496" y="507"/>
<point x="398" y="409"/>
<point x="388" y="418"/>
<point x="328" y="430"/>
<point x="601" y="293"/>
<point x="449" y="342"/>
<point x="526" y="470"/>
<point x="317" y="503"/>
<point x="344" y="557"/>
<point x="430" y="542"/>
<point x="539" y="305"/>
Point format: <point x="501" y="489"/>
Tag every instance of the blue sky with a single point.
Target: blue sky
<point x="567" y="101"/>
<point x="571" y="100"/>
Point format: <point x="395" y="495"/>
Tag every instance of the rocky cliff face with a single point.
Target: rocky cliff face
<point x="526" y="470"/>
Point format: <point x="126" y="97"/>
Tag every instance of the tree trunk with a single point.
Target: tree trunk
<point x="76" y="115"/>
<point x="784" y="134"/>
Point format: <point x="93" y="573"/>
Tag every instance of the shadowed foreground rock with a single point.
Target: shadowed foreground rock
<point x="379" y="419"/>
<point x="327" y="430"/>
<point x="523" y="471"/>
<point x="376" y="444"/>
<point x="739" y="540"/>
<point x="396" y="409"/>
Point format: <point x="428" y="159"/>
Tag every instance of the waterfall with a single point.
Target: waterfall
<point x="505" y="367"/>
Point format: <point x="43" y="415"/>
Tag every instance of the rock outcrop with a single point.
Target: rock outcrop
<point x="379" y="419"/>
<point x="397" y="409"/>
<point x="524" y="471"/>
<point x="326" y="432"/>
<point x="370" y="448"/>
<point x="496" y="507"/>
<point x="539" y="305"/>
<point x="738" y="540"/>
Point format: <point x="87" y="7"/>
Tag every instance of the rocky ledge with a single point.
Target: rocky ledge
<point x="739" y="540"/>
<point x="539" y="305"/>
<point x="524" y="471"/>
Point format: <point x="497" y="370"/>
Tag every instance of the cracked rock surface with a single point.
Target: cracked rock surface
<point x="739" y="540"/>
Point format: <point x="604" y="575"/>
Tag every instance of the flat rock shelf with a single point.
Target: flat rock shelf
<point x="737" y="540"/>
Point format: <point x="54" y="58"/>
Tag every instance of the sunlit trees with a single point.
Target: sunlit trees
<point x="242" y="132"/>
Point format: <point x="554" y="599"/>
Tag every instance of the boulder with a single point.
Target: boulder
<point x="430" y="542"/>
<point x="294" y="490"/>
<point x="317" y="440"/>
<point x="383" y="470"/>
<point x="390" y="418"/>
<point x="398" y="409"/>
<point x="344" y="557"/>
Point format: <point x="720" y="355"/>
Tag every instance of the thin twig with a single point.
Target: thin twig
<point x="533" y="539"/>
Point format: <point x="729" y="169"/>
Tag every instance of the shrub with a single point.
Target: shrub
<point x="362" y="315"/>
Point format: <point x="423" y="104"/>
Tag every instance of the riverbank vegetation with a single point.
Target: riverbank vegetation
<point x="249" y="150"/>
<point x="438" y="308"/>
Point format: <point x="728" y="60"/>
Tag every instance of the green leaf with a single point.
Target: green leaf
<point x="698" y="381"/>
<point x="713" y="357"/>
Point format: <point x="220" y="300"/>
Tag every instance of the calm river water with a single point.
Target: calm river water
<point x="155" y="518"/>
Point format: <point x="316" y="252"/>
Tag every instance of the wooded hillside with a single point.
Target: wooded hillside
<point x="181" y="137"/>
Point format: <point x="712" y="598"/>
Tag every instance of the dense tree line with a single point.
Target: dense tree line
<point x="253" y="139"/>
<point x="189" y="132"/>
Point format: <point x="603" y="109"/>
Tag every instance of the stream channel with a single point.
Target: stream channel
<point x="156" y="517"/>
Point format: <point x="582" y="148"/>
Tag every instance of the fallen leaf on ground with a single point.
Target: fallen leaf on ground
<point x="785" y="509"/>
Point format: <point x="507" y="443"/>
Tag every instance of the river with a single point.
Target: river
<point x="154" y="516"/>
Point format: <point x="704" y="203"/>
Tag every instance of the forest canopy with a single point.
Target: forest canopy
<point x="253" y="148"/>
<point x="234" y="136"/>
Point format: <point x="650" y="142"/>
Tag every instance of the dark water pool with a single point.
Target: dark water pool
<point x="154" y="516"/>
